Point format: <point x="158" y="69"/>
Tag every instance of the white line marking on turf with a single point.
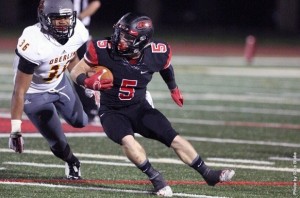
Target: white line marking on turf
<point x="180" y="60"/>
<point x="172" y="161"/>
<point x="63" y="166"/>
<point x="102" y="189"/>
<point x="190" y="138"/>
<point x="267" y="168"/>
<point x="231" y="97"/>
<point x="236" y="61"/>
<point x="244" y="71"/>
<point x="237" y="141"/>
<point x="235" y="123"/>
<point x="284" y="159"/>
<point x="71" y="134"/>
<point x="35" y="164"/>
<point x="242" y="161"/>
<point x="2" y="168"/>
<point x="230" y="109"/>
<point x="107" y="163"/>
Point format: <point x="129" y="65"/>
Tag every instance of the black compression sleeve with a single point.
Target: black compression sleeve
<point x="80" y="79"/>
<point x="26" y="66"/>
<point x="169" y="77"/>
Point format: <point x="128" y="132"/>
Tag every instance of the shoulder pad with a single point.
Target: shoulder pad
<point x="158" y="55"/>
<point x="81" y="30"/>
<point x="28" y="43"/>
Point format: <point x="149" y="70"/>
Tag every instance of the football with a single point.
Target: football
<point x="107" y="74"/>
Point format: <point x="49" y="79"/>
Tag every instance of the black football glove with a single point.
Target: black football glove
<point x="16" y="141"/>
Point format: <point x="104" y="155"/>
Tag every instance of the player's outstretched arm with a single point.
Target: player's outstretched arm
<point x="22" y="83"/>
<point x="169" y="78"/>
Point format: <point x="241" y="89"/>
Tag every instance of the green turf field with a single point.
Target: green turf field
<point x="241" y="117"/>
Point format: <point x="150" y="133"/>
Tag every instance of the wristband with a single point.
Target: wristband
<point x="15" y="126"/>
<point x="80" y="79"/>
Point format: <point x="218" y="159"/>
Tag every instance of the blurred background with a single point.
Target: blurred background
<point x="194" y="20"/>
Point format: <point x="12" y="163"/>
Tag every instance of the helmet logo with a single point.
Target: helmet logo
<point x="144" y="24"/>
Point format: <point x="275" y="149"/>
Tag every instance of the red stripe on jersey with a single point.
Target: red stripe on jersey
<point x="91" y="54"/>
<point x="169" y="58"/>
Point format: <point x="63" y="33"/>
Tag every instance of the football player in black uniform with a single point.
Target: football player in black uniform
<point x="133" y="57"/>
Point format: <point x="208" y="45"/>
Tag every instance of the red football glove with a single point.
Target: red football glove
<point x="177" y="97"/>
<point x="94" y="82"/>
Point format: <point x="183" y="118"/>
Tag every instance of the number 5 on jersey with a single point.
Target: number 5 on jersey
<point x="127" y="89"/>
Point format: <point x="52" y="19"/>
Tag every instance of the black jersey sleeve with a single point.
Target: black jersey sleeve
<point x="24" y="65"/>
<point x="169" y="77"/>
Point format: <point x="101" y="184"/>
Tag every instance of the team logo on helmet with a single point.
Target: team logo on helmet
<point x="135" y="31"/>
<point x="144" y="24"/>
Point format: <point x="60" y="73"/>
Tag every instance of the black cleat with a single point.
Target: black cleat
<point x="212" y="177"/>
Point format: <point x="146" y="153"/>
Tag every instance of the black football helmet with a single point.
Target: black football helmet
<point x="49" y="10"/>
<point x="137" y="30"/>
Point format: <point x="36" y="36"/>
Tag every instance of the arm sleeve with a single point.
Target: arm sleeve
<point x="169" y="77"/>
<point x="25" y="66"/>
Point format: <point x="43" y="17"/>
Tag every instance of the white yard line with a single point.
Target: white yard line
<point x="266" y="72"/>
<point x="31" y="164"/>
<point x="210" y="108"/>
<point x="235" y="61"/>
<point x="214" y="108"/>
<point x="255" y="167"/>
<point x="242" y="161"/>
<point x="7" y="59"/>
<point x="231" y="97"/>
<point x="159" y="95"/>
<point x="236" y="123"/>
<point x="101" y="189"/>
<point x="213" y="164"/>
<point x="190" y="138"/>
<point x="237" y="141"/>
<point x="284" y="159"/>
<point x="235" y="163"/>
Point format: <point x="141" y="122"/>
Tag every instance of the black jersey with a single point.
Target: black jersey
<point x="130" y="79"/>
